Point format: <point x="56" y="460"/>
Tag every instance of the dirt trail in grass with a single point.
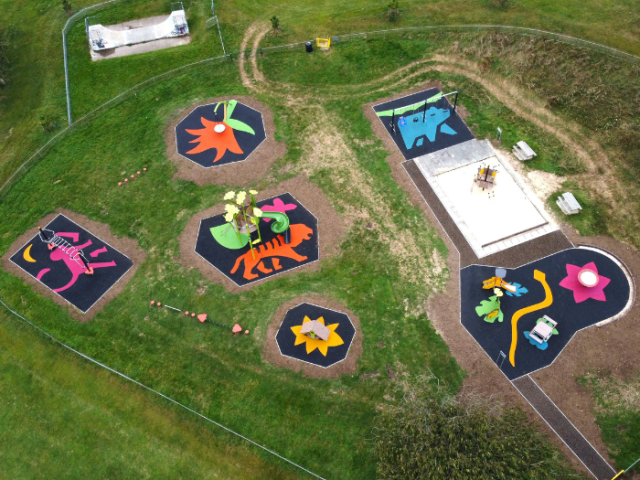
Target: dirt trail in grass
<point x="360" y="202"/>
<point x="247" y="81"/>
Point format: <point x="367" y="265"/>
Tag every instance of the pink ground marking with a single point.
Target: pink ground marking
<point x="580" y="292"/>
<point x="42" y="272"/>
<point x="95" y="253"/>
<point x="278" y="206"/>
<point x="76" y="268"/>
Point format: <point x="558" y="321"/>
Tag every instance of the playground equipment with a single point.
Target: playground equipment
<point x="103" y="38"/>
<point x="315" y="329"/>
<point x="323" y="43"/>
<point x="498" y="282"/>
<point x="55" y="241"/>
<point x="542" y="332"/>
<point x="441" y="105"/>
<point x="486" y="177"/>
<point x="202" y="317"/>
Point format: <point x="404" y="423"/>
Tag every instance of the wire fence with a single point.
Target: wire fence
<point x="479" y="28"/>
<point x="94" y="9"/>
<point x="122" y="375"/>
<point x="567" y="39"/>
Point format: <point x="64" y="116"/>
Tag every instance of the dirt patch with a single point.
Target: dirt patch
<point x="126" y="246"/>
<point x="271" y="352"/>
<point x="330" y="231"/>
<point x="612" y="348"/>
<point x="237" y="173"/>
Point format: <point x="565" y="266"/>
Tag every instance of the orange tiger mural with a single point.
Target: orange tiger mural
<point x="274" y="248"/>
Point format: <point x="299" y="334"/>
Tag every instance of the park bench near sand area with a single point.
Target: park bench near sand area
<point x="523" y="152"/>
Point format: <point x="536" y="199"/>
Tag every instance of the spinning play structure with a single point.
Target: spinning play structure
<point x="109" y="37"/>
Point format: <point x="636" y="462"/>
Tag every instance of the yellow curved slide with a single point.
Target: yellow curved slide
<point x="548" y="300"/>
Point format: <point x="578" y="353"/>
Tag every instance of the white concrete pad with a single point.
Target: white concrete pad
<point x="494" y="220"/>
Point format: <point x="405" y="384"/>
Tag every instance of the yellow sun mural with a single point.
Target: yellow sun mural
<point x="312" y="343"/>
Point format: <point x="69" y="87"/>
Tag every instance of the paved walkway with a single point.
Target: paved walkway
<point x="561" y="425"/>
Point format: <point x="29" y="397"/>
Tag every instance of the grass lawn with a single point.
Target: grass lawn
<point x="384" y="281"/>
<point x="617" y="412"/>
<point x="65" y="417"/>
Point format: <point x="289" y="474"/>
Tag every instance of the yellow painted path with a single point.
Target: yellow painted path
<point x="542" y="278"/>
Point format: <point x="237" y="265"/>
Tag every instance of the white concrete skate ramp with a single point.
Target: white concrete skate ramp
<point x="108" y="37"/>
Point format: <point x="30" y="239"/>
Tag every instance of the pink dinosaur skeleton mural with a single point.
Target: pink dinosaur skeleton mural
<point x="72" y="256"/>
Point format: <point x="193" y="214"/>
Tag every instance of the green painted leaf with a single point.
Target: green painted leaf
<point x="240" y="126"/>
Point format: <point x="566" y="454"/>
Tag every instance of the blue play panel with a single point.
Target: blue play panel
<point x="425" y="129"/>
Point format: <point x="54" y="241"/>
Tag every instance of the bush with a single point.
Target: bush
<point x="501" y="3"/>
<point x="275" y="24"/>
<point x="67" y="7"/>
<point x="434" y="435"/>
<point x="393" y="11"/>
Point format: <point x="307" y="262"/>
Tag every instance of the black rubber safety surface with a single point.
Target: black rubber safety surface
<point x="421" y="145"/>
<point x="286" y="338"/>
<point x="272" y="256"/>
<point x="571" y="316"/>
<point x="64" y="276"/>
<point x="247" y="142"/>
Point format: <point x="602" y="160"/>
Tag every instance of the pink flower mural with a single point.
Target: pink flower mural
<point x="580" y="292"/>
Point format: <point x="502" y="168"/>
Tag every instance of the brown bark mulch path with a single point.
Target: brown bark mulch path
<point x="125" y="245"/>
<point x="236" y="173"/>
<point x="271" y="352"/>
<point x="330" y="230"/>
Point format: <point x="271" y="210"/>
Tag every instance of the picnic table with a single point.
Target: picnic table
<point x="522" y="151"/>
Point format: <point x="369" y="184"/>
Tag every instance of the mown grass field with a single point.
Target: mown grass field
<point x="221" y="376"/>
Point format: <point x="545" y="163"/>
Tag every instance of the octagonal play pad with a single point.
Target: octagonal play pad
<point x="61" y="269"/>
<point x="550" y="304"/>
<point x="273" y="255"/>
<point x="220" y="133"/>
<point x="292" y="342"/>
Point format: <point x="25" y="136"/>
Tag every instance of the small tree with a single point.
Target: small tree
<point x="4" y="57"/>
<point x="67" y="7"/>
<point x="433" y="434"/>
<point x="275" y="25"/>
<point x="504" y="4"/>
<point x="393" y="11"/>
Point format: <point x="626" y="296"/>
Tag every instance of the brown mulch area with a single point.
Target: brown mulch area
<point x="611" y="348"/>
<point x="271" y="352"/>
<point x="237" y="173"/>
<point x="125" y="245"/>
<point x="330" y="230"/>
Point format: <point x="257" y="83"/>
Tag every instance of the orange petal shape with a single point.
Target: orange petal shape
<point x="209" y="138"/>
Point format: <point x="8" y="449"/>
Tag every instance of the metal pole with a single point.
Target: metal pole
<point x="455" y="103"/>
<point x="424" y="115"/>
<point x="66" y="76"/>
